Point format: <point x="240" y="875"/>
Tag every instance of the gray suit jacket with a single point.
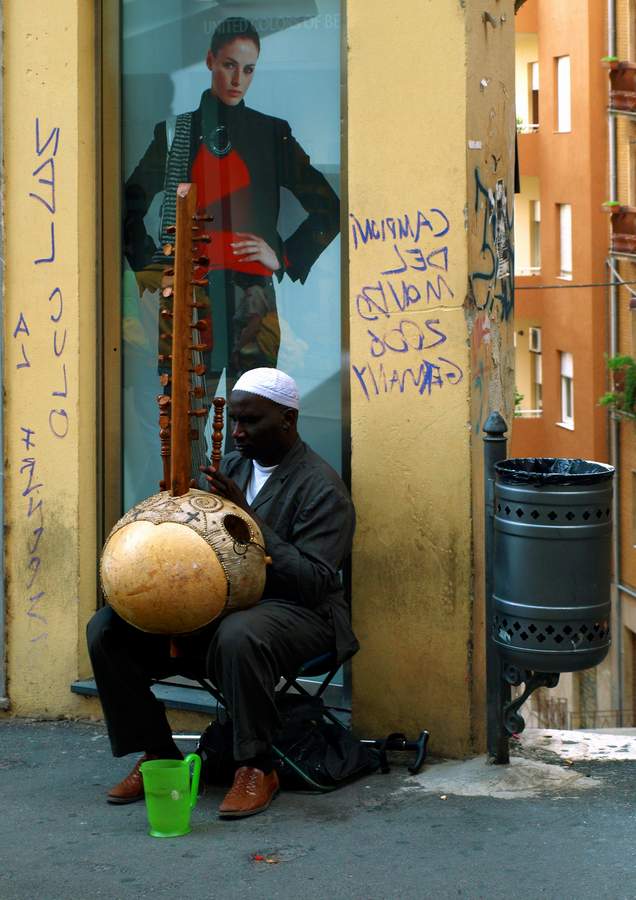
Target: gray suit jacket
<point x="307" y="520"/>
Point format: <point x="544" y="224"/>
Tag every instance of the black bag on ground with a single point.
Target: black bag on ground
<point x="327" y="754"/>
<point x="215" y="750"/>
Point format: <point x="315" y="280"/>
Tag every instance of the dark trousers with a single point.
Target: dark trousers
<point x="244" y="654"/>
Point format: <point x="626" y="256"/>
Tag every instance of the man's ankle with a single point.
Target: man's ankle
<point x="169" y="751"/>
<point x="264" y="762"/>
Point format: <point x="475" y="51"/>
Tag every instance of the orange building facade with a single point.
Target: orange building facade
<point x="568" y="320"/>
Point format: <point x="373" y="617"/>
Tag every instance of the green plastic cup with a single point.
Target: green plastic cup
<point x="170" y="790"/>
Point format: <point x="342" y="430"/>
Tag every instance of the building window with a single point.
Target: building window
<point x="536" y="368"/>
<point x="535" y="235"/>
<point x="563" y="94"/>
<point x="533" y="94"/>
<point x="567" y="390"/>
<point x="565" y="239"/>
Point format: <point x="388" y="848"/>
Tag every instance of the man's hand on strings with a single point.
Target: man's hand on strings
<point x="252" y="248"/>
<point x="226" y="487"/>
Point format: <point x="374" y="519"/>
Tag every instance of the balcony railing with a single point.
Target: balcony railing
<point x="527" y="127"/>
<point x="525" y="271"/>
<point x="623" y="87"/>
<point x="528" y="413"/>
<point x="623" y="220"/>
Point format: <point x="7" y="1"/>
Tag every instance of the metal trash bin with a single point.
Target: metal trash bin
<point x="552" y="546"/>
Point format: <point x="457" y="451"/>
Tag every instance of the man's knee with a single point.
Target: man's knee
<point x="236" y="638"/>
<point x="97" y="629"/>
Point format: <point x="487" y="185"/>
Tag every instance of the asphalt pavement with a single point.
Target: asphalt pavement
<point x="531" y="830"/>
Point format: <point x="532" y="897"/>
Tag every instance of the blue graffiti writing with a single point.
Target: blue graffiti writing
<point x="53" y="136"/>
<point x="385" y="297"/>
<point x="33" y="575"/>
<point x="26" y="440"/>
<point x="22" y="328"/>
<point x="436" y="259"/>
<point x="47" y="182"/>
<point x="493" y="282"/>
<point x="398" y="228"/>
<point x="408" y="335"/>
<point x="56" y="292"/>
<point x="375" y="380"/>
<point x="51" y="257"/>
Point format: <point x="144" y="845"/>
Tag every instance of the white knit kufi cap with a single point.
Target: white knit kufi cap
<point x="272" y="384"/>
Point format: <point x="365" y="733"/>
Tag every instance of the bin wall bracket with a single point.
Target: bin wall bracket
<point x="513" y="721"/>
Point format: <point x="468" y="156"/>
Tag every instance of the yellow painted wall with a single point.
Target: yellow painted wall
<point x="50" y="340"/>
<point x="430" y="136"/>
<point x="421" y="133"/>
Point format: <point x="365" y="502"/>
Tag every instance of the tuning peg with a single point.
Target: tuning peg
<point x="167" y="313"/>
<point x="197" y="391"/>
<point x="168" y="249"/>
<point x="165" y="336"/>
<point x="168" y="272"/>
<point x="171" y="229"/>
<point x="201" y="238"/>
<point x="166" y="292"/>
<point x="164" y="380"/>
<point x="200" y="325"/>
<point x="203" y="411"/>
<point x="198" y="347"/>
<point x="199" y="369"/>
<point x="164" y="401"/>
<point x="198" y="218"/>
<point x="199" y="282"/>
<point x="200" y="261"/>
<point x="164" y="357"/>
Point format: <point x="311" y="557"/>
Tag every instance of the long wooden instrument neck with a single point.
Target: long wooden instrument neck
<point x="181" y="449"/>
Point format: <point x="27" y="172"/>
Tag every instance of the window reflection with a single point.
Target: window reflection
<point x="240" y="122"/>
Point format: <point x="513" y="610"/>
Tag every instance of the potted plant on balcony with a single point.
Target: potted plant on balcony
<point x="621" y="400"/>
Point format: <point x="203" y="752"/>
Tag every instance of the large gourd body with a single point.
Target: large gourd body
<point x="172" y="565"/>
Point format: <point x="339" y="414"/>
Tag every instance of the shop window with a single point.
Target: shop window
<point x="251" y="115"/>
<point x="567" y="390"/>
<point x="565" y="239"/>
<point x="563" y="94"/>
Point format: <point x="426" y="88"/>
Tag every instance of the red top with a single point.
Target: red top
<point x="216" y="178"/>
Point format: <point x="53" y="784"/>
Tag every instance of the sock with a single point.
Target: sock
<point x="263" y="761"/>
<point x="166" y="751"/>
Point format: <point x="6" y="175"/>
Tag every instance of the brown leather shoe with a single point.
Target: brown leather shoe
<point x="251" y="793"/>
<point x="131" y="788"/>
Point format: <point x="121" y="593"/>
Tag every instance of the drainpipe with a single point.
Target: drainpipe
<point x="614" y="425"/>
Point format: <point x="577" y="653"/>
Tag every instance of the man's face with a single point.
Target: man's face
<point x="232" y="70"/>
<point x="260" y="428"/>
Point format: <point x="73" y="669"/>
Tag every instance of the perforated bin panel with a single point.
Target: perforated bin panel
<point x="552" y="575"/>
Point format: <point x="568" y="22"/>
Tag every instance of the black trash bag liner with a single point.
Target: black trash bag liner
<point x="545" y="470"/>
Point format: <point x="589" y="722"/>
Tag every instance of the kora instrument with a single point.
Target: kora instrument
<point x="180" y="559"/>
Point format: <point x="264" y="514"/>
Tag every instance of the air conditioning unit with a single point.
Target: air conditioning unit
<point x="534" y="337"/>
